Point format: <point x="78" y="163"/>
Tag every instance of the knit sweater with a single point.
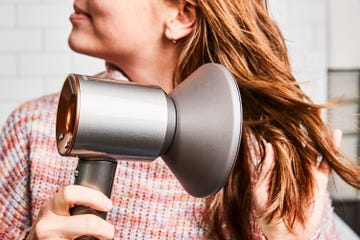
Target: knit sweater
<point x="149" y="203"/>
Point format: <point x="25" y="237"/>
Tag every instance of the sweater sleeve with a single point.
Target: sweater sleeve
<point x="15" y="199"/>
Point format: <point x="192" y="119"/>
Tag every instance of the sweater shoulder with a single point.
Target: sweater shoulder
<point x="42" y="108"/>
<point x="34" y="118"/>
<point x="39" y="105"/>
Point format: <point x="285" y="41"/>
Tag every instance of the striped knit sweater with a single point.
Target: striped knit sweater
<point x="149" y="203"/>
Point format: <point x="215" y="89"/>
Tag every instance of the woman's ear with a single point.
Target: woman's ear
<point x="182" y="24"/>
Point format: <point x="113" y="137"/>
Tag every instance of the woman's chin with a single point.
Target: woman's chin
<point x="85" y="45"/>
<point x="75" y="44"/>
<point x="79" y="46"/>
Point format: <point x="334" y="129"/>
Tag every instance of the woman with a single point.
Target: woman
<point x="277" y="189"/>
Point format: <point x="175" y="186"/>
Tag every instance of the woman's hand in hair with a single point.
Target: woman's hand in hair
<point x="276" y="229"/>
<point x="54" y="220"/>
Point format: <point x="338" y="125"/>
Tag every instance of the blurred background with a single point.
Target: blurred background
<point x="323" y="39"/>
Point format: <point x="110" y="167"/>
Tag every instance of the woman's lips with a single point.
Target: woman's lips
<point x="79" y="15"/>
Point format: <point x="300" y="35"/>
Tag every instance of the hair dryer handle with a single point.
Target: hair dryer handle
<point x="96" y="174"/>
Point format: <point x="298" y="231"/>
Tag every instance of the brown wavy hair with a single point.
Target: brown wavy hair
<point x="241" y="35"/>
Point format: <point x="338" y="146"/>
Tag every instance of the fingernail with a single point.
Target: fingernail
<point x="108" y="203"/>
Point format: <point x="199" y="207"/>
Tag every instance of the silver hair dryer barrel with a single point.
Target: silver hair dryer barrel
<point x="108" y="118"/>
<point x="196" y="129"/>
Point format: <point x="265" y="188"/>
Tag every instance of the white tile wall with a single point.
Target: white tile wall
<point x="15" y="40"/>
<point x="344" y="34"/>
<point x="304" y="24"/>
<point x="8" y="65"/>
<point x="43" y="15"/>
<point x="7" y="15"/>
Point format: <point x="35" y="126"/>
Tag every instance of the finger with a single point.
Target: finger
<point x="336" y="138"/>
<point x="319" y="112"/>
<point x="88" y="224"/>
<point x="69" y="227"/>
<point x="321" y="175"/>
<point x="72" y="195"/>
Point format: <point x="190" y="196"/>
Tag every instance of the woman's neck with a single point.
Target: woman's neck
<point x="154" y="70"/>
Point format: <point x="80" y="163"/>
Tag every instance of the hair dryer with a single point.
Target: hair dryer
<point x="195" y="129"/>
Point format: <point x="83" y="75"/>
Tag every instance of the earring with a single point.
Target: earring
<point x="173" y="39"/>
<point x="171" y="35"/>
